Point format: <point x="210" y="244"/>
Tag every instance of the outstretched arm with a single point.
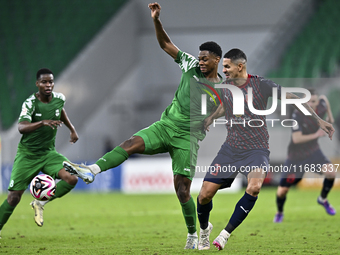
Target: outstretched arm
<point x="162" y="37"/>
<point x="325" y="126"/>
<point x="74" y="136"/>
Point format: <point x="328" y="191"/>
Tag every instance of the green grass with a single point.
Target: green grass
<point x="113" y="223"/>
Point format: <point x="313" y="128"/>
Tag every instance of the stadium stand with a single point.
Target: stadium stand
<point x="35" y="34"/>
<point x="315" y="52"/>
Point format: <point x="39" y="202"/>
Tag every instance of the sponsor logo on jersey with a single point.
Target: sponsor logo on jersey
<point x="57" y="112"/>
<point x="38" y="114"/>
<point x="187" y="169"/>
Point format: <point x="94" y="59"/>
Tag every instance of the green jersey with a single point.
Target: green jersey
<point x="33" y="110"/>
<point x="185" y="111"/>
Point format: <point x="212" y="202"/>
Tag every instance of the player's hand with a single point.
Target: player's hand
<point x="207" y="122"/>
<point x="155" y="10"/>
<point x="327" y="127"/>
<point x="52" y="123"/>
<point x="320" y="133"/>
<point x="74" y="137"/>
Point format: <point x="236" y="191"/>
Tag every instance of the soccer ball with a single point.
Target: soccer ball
<point x="42" y="187"/>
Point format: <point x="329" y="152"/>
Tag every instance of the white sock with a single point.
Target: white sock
<point x="95" y="169"/>
<point x="322" y="199"/>
<point x="193" y="234"/>
<point x="225" y="234"/>
<point x="43" y="203"/>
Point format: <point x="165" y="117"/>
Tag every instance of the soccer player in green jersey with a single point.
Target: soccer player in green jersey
<point x="42" y="113"/>
<point x="180" y="127"/>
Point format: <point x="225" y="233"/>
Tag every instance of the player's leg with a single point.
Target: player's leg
<point x="281" y="195"/>
<point x="112" y="159"/>
<point x="253" y="159"/>
<point x="182" y="187"/>
<point x="65" y="185"/>
<point x="147" y="141"/>
<point x="287" y="180"/>
<point x="54" y="167"/>
<point x="243" y="207"/>
<point x="216" y="178"/>
<point x="8" y="205"/>
<point x="183" y="151"/>
<point x="330" y="174"/>
<point x="247" y="202"/>
<point x="23" y="171"/>
<point x="204" y="206"/>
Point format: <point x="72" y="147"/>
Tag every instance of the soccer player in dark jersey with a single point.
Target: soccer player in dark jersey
<point x="180" y="127"/>
<point x="245" y="149"/>
<point x="42" y="113"/>
<point x="304" y="153"/>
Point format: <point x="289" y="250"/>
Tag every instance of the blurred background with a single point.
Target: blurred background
<point x="117" y="80"/>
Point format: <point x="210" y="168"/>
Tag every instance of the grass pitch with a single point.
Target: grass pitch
<point x="113" y="223"/>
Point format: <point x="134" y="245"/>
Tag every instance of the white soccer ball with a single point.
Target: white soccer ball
<point x="42" y="187"/>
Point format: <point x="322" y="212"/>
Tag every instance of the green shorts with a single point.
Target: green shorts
<point x="27" y="165"/>
<point x="161" y="137"/>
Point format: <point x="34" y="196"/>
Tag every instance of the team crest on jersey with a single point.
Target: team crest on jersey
<point x="57" y="112"/>
<point x="212" y="99"/>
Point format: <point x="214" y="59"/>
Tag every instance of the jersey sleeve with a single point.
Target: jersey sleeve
<point x="27" y="110"/>
<point x="186" y="61"/>
<point x="297" y="117"/>
<point x="61" y="96"/>
<point x="267" y="88"/>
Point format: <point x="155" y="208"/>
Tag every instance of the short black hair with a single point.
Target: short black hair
<point x="43" y="71"/>
<point x="211" y="47"/>
<point x="235" y="54"/>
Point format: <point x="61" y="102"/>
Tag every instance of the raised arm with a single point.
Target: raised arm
<point x="162" y="37"/>
<point x="324" y="125"/>
<point x="74" y="136"/>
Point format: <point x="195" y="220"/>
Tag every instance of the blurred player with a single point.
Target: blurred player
<point x="177" y="132"/>
<point x="304" y="153"/>
<point x="42" y="113"/>
<point x="245" y="149"/>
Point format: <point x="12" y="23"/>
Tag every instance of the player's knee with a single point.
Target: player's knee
<point x="282" y="191"/>
<point x="254" y="189"/>
<point x="72" y="180"/>
<point x="183" y="194"/>
<point x="205" y="198"/>
<point x="134" y="144"/>
<point x="13" y="199"/>
<point x="330" y="175"/>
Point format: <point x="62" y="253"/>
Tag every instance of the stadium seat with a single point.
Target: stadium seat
<point x="31" y="38"/>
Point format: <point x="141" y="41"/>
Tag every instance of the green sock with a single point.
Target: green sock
<point x="62" y="189"/>
<point x="112" y="159"/>
<point x="6" y="211"/>
<point x="189" y="213"/>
